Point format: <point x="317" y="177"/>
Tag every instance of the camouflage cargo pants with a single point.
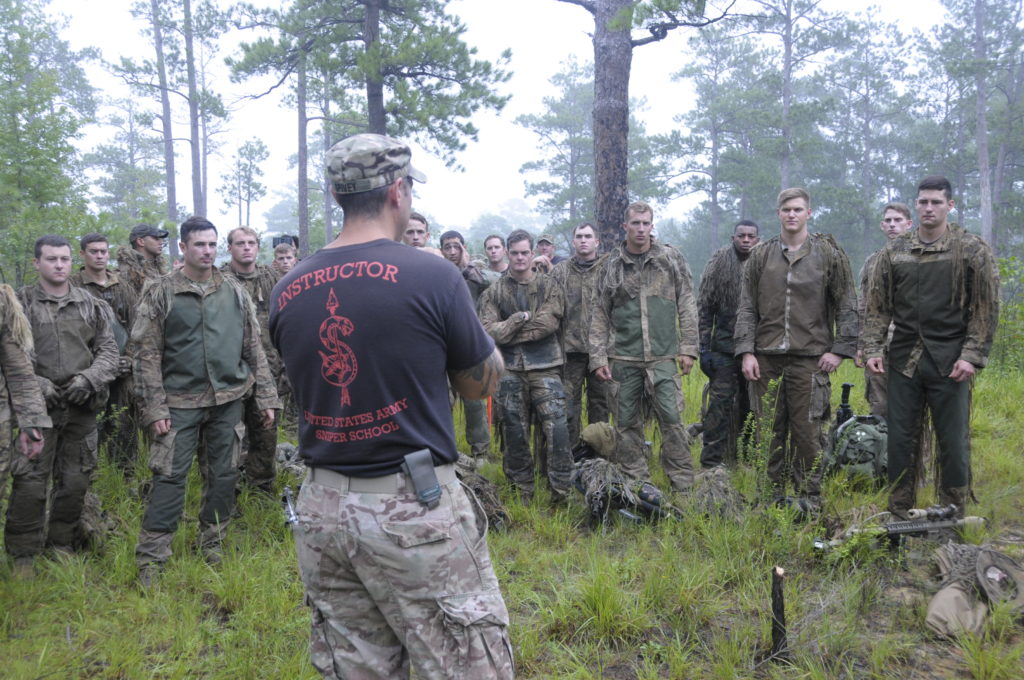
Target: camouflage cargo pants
<point x="542" y="390"/>
<point x="68" y="459"/>
<point x="728" y="407"/>
<point x="170" y="458"/>
<point x="658" y="382"/>
<point x="949" y="403"/>
<point x="798" y="412"/>
<point x="259" y="449"/>
<point x="576" y="372"/>
<point x="391" y="582"/>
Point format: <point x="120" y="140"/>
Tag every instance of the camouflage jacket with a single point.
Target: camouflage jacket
<point x="526" y="345"/>
<point x="122" y="298"/>
<point x="718" y="298"/>
<point x="799" y="302"/>
<point x="645" y="309"/>
<point x="475" y="281"/>
<point x="72" y="336"/>
<point x="136" y="268"/>
<point x="258" y="285"/>
<point x="19" y="389"/>
<point x="224" y="361"/>
<point x="579" y="283"/>
<point x="942" y="296"/>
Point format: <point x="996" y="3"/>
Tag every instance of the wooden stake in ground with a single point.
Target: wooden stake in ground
<point x="779" y="648"/>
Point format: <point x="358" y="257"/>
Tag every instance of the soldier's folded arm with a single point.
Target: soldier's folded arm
<point x="480" y="381"/>
<point x="503" y="332"/>
<point x="546" y="321"/>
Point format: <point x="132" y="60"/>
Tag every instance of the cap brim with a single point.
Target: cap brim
<point x="416" y="174"/>
<point x="163" y="233"/>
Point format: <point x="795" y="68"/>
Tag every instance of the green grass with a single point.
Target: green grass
<point x="686" y="599"/>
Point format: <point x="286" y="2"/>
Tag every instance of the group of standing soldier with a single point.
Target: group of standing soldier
<point x="771" y="321"/>
<point x="184" y="354"/>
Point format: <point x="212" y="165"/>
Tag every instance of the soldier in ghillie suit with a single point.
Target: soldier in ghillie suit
<point x="20" y="396"/>
<point x="118" y="428"/>
<point x="896" y="220"/>
<point x="522" y="312"/>
<point x="198" y="353"/>
<point x="717" y="301"/>
<point x="260" y="449"/>
<point x="939" y="287"/>
<point x="796" y="322"/>
<point x="478" y="430"/>
<point x="76" y="357"/>
<point x="643" y="332"/>
<point x="143" y="260"/>
<point x="578" y="277"/>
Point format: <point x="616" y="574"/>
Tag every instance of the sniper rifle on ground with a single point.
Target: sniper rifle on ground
<point x="922" y="521"/>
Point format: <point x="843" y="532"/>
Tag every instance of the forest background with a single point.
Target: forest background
<point x="153" y="110"/>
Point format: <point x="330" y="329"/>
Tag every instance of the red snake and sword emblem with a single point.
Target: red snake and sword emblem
<point x="339" y="365"/>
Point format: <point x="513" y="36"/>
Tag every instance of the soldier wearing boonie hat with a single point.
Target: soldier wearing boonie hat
<point x="416" y="592"/>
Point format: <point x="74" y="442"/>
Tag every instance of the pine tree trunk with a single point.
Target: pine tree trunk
<point x="165" y="119"/>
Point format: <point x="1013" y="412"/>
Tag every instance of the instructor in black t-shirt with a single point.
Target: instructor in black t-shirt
<point x="394" y="563"/>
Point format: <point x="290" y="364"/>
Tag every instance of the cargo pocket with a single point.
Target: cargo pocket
<point x="236" y="444"/>
<point x="89" y="452"/>
<point x="476" y="636"/>
<point x="821" y="397"/>
<point x="412" y="534"/>
<point x="161" y="454"/>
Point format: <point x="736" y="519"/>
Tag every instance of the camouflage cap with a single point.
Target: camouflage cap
<point x="363" y="162"/>
<point x="546" y="237"/>
<point x="143" y="230"/>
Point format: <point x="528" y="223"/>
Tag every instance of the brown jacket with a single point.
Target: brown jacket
<point x="799" y="302"/>
<point x="19" y="389"/>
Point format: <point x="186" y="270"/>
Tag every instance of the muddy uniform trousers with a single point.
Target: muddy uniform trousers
<point x="170" y="458"/>
<point x="728" y="406"/>
<point x="542" y="390"/>
<point x="259" y="450"/>
<point x="949" y="402"/>
<point x="657" y="382"/>
<point x="798" y="412"/>
<point x="392" y="582"/>
<point x="575" y="373"/>
<point x="8" y="449"/>
<point x="68" y="458"/>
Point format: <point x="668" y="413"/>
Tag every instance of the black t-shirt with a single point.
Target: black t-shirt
<point x="367" y="333"/>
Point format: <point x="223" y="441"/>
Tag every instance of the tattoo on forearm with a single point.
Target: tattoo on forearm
<point x="484" y="376"/>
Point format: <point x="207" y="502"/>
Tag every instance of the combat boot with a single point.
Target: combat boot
<point x="957" y="496"/>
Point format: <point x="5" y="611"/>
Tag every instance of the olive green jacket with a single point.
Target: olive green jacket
<point x="645" y="308"/>
<point x="72" y="336"/>
<point x="942" y="296"/>
<point x="198" y="346"/>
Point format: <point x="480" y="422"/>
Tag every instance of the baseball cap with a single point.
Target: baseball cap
<point x="143" y="230"/>
<point x="368" y="161"/>
<point x="546" y="237"/>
